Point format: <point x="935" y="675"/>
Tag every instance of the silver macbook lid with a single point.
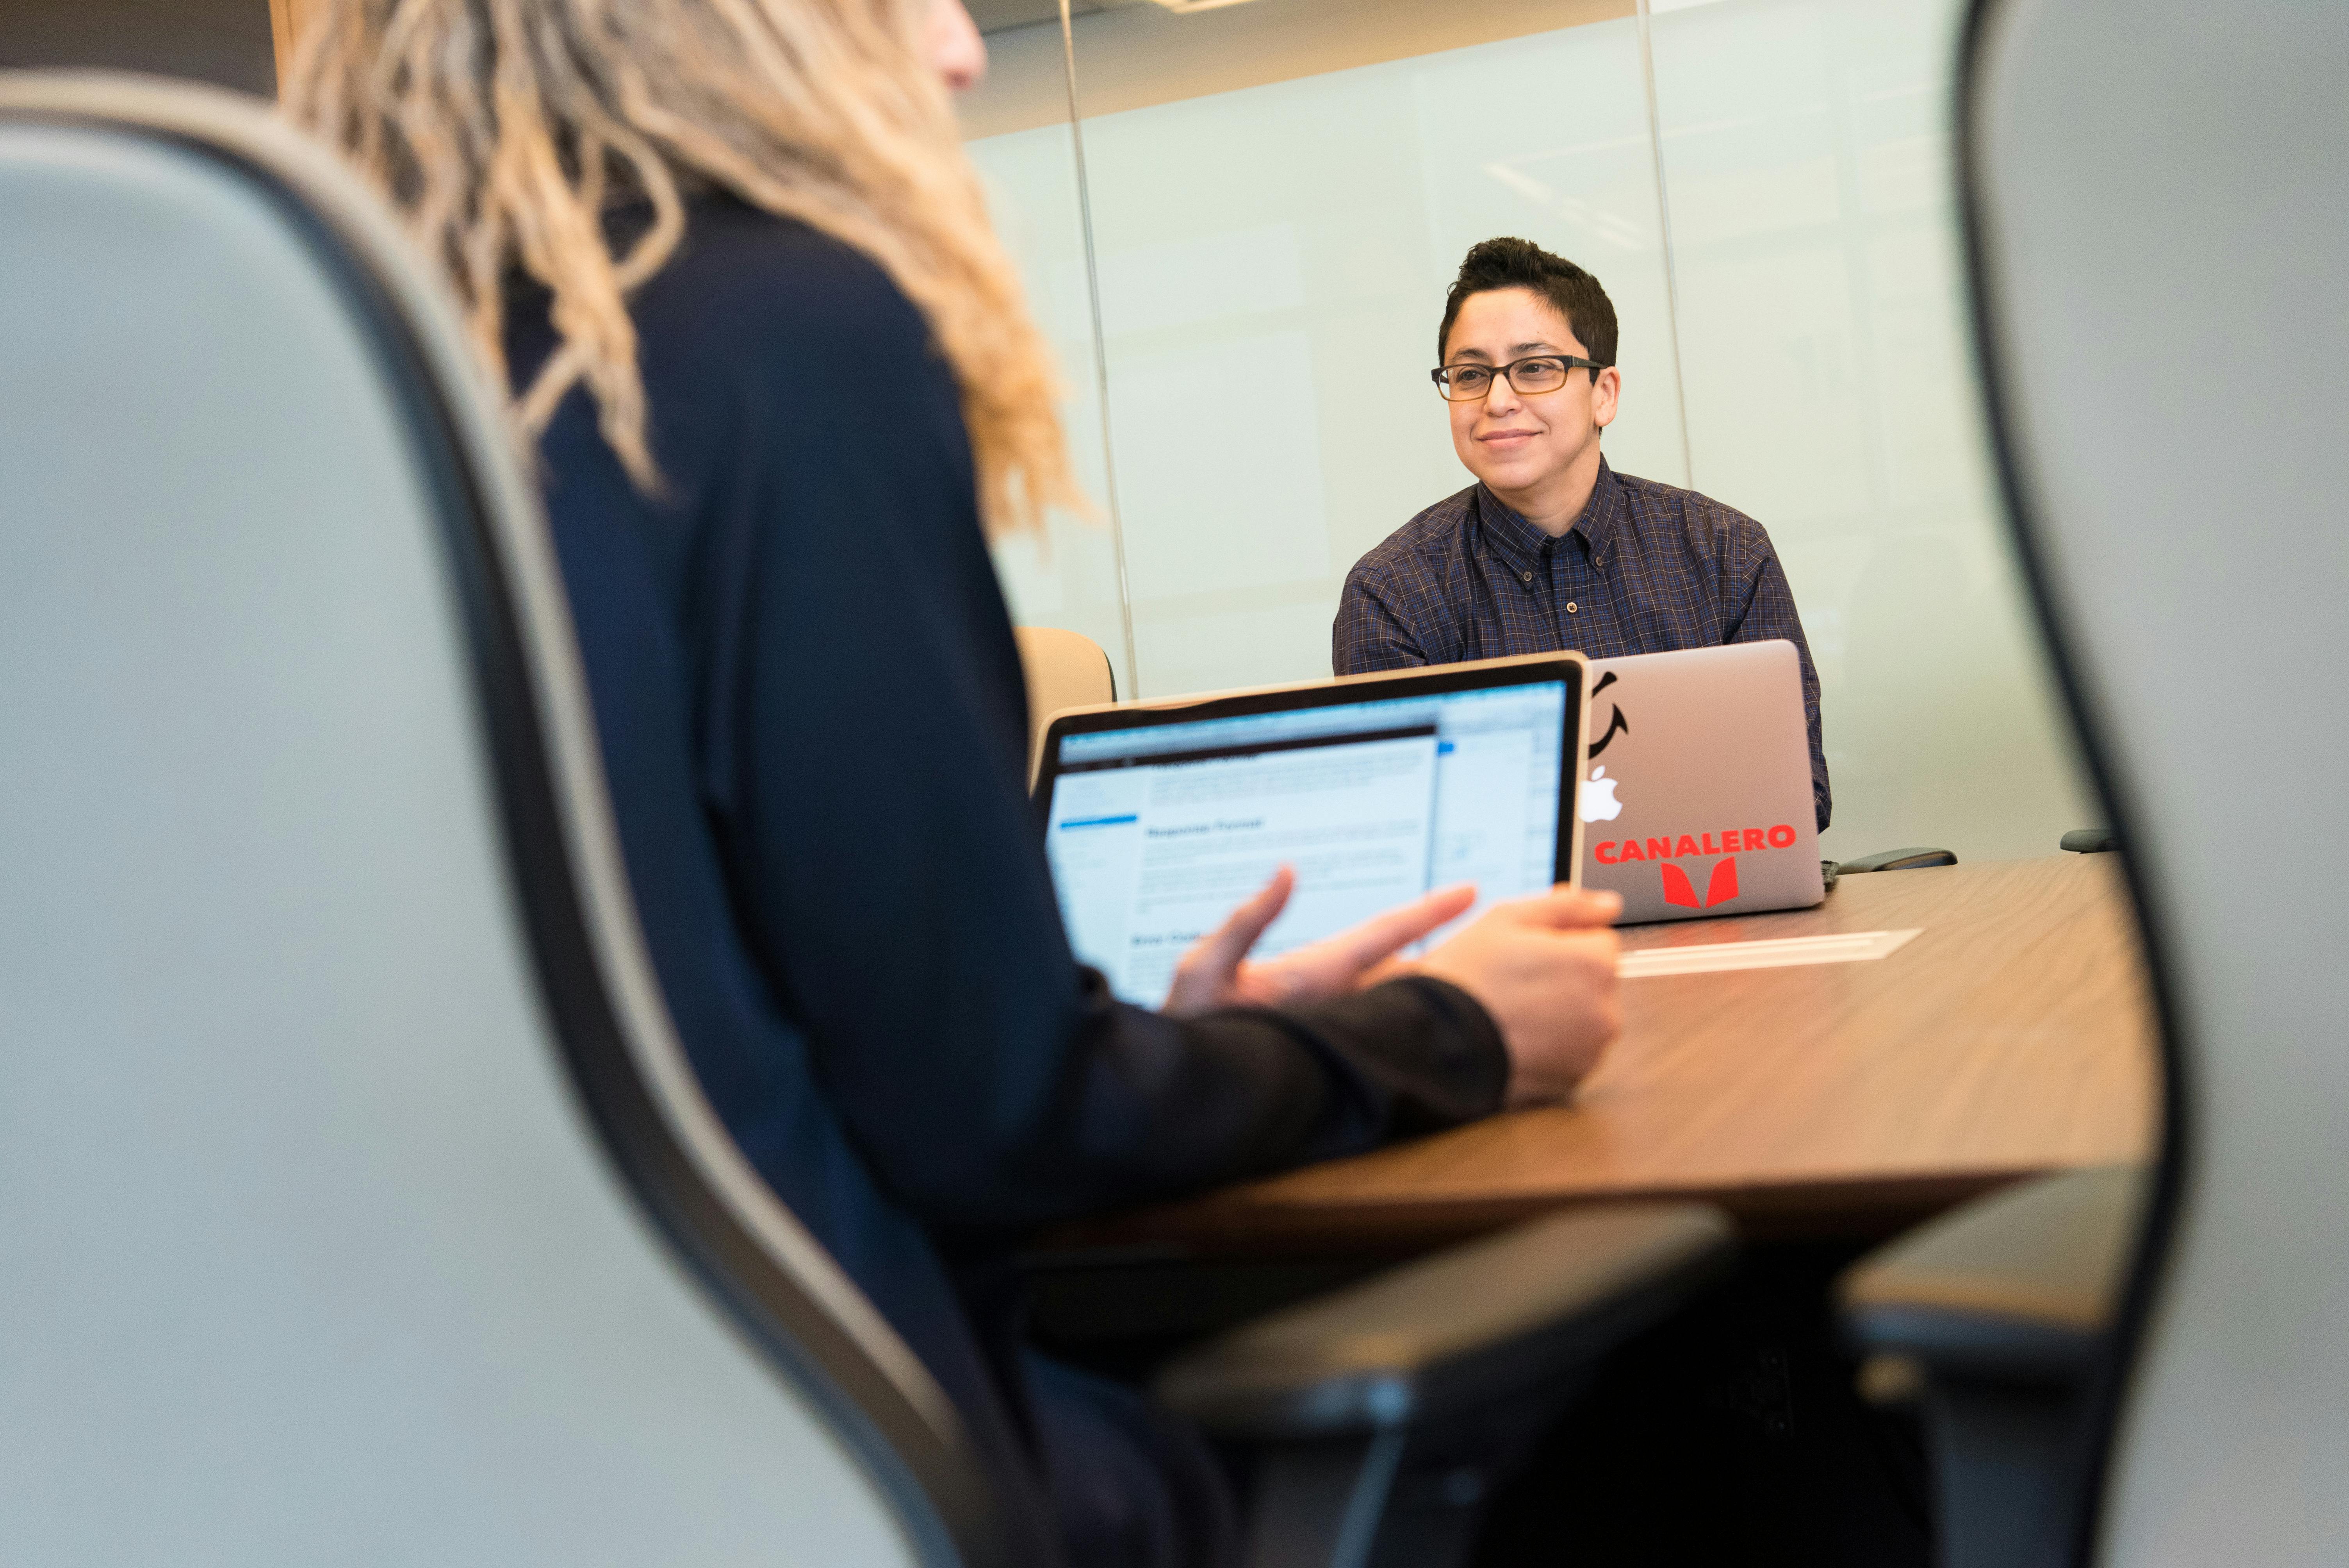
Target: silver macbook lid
<point x="1696" y="797"/>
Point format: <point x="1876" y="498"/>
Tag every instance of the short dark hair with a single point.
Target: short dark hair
<point x="1521" y="264"/>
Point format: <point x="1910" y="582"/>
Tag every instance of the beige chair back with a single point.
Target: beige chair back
<point x="1063" y="670"/>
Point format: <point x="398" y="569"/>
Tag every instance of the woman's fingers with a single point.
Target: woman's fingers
<point x="1216" y="972"/>
<point x="1382" y="935"/>
<point x="1208" y="975"/>
<point x="1231" y="941"/>
<point x="1353" y="958"/>
<point x="1566" y="907"/>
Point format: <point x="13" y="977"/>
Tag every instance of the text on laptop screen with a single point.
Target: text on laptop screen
<point x="1158" y="834"/>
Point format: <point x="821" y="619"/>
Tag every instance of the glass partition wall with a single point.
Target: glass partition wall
<point x="1239" y="241"/>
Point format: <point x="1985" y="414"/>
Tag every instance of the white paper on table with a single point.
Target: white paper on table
<point x="1778" y="953"/>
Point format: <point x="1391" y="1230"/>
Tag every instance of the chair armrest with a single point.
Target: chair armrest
<point x="1434" y="1338"/>
<point x="1898" y="861"/>
<point x="2016" y="1288"/>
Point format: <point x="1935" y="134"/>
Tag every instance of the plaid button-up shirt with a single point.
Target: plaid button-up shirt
<point x="1646" y="569"/>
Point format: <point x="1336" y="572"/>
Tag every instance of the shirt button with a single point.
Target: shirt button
<point x="1570" y="607"/>
<point x="1524" y="576"/>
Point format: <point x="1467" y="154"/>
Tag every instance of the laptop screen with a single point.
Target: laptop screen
<point x="1157" y="830"/>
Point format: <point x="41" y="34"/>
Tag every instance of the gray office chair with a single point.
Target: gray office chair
<point x="357" y="1201"/>
<point x="2159" y="252"/>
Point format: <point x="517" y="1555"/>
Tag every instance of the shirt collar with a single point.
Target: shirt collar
<point x="1521" y="543"/>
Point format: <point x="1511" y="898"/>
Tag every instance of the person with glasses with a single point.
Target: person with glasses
<point x="1552" y="549"/>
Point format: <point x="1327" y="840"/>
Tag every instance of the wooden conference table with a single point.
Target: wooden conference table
<point x="2012" y="1036"/>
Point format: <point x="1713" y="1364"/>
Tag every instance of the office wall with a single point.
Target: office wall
<point x="1831" y="393"/>
<point x="1276" y="193"/>
<point x="226" y="42"/>
<point x="1073" y="577"/>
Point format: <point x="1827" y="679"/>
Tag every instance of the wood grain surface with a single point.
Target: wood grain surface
<point x="2013" y="1037"/>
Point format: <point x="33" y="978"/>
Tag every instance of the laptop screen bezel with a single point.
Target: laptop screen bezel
<point x="1569" y="669"/>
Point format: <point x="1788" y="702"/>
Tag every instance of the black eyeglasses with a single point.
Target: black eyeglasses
<point x="1541" y="373"/>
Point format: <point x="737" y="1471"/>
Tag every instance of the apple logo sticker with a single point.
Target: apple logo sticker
<point x="1598" y="803"/>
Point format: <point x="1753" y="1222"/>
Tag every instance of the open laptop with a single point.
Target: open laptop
<point x="1697" y="787"/>
<point x="1161" y="818"/>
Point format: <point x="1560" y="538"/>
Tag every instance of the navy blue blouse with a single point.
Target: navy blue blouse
<point x="813" y="723"/>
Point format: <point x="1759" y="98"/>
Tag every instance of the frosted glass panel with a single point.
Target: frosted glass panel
<point x="1068" y="578"/>
<point x="1831" y="394"/>
<point x="1272" y="265"/>
<point x="1281" y="191"/>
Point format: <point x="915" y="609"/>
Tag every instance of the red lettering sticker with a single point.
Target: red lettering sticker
<point x="1677" y="889"/>
<point x="1688" y="847"/>
<point x="1708" y="847"/>
<point x="1659" y="848"/>
<point x="1603" y="853"/>
<point x="1781" y="836"/>
<point x="1753" y="838"/>
<point x="1632" y="850"/>
<point x="1723" y="886"/>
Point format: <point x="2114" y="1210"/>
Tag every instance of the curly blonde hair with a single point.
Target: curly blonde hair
<point x="502" y="130"/>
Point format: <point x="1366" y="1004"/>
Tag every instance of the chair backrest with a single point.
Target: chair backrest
<point x="1063" y="669"/>
<point x="357" y="1203"/>
<point x="2161" y="246"/>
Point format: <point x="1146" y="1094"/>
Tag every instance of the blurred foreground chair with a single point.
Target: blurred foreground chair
<point x="2160" y="252"/>
<point x="357" y="1200"/>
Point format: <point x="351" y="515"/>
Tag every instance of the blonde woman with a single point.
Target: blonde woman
<point x="782" y="385"/>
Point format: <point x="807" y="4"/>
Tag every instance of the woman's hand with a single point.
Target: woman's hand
<point x="1545" y="969"/>
<point x="1216" y="972"/>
